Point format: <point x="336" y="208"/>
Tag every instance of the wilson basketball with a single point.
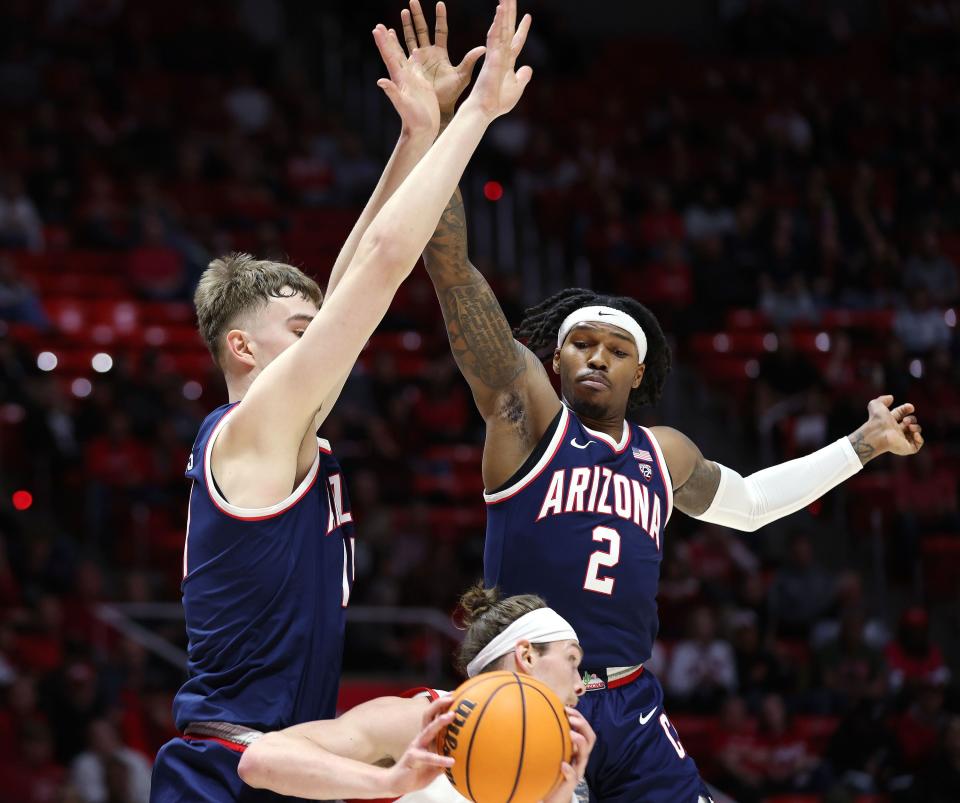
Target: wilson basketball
<point x="509" y="736"/>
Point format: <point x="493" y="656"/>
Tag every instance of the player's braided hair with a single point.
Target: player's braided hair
<point x="541" y="323"/>
<point x="486" y="616"/>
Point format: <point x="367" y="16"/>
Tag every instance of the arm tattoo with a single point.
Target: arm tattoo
<point x="697" y="493"/>
<point x="480" y="337"/>
<point x="863" y="449"/>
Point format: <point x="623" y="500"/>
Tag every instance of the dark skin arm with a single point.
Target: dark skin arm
<point x="510" y="386"/>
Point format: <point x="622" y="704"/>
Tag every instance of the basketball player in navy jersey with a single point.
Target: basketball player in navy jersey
<point x="578" y="497"/>
<point x="269" y="550"/>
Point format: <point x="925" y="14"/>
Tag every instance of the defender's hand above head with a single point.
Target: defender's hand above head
<point x="498" y="88"/>
<point x="448" y="81"/>
<point x="408" y="88"/>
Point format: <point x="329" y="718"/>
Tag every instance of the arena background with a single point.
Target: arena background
<point x="779" y="181"/>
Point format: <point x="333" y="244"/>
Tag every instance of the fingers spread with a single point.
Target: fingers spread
<point x="408" y="33"/>
<point x="429" y="733"/>
<point x="390" y="51"/>
<point x="520" y="37"/>
<point x="420" y="24"/>
<point x="440" y="29"/>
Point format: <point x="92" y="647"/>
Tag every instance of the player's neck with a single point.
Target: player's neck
<point x="237" y="388"/>
<point x="612" y="426"/>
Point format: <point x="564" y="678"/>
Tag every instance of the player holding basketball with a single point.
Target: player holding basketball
<point x="334" y="758"/>
<point x="268" y="558"/>
<point x="579" y="497"/>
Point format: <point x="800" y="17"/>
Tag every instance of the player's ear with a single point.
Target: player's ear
<point x="524" y="655"/>
<point x="638" y="377"/>
<point x="556" y="361"/>
<point x="238" y="345"/>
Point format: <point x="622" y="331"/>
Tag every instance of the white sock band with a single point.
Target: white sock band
<point x="539" y="626"/>
<point x="607" y="315"/>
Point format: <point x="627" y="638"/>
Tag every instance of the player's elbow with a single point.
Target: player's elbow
<point x="387" y="255"/>
<point x="252" y="768"/>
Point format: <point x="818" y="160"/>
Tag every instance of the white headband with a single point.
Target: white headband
<point x="607" y="315"/>
<point x="540" y="626"/>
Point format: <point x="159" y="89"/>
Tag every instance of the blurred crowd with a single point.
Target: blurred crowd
<point x="788" y="205"/>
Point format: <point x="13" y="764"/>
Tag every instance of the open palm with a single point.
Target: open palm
<point x="408" y="88"/>
<point x="448" y="81"/>
<point x="498" y="88"/>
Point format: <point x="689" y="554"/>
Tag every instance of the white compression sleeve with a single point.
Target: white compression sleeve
<point x="750" y="503"/>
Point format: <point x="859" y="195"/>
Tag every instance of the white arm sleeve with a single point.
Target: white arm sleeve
<point x="750" y="503"/>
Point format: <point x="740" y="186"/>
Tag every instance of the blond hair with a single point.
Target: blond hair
<point x="236" y="284"/>
<point x="486" y="616"/>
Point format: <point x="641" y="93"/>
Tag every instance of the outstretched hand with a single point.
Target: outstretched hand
<point x="448" y="81"/>
<point x="888" y="429"/>
<point x="498" y="87"/>
<point x="408" y="88"/>
<point x="420" y="764"/>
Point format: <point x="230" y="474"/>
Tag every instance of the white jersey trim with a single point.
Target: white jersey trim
<point x="548" y="455"/>
<point x="615" y="445"/>
<point x="254" y="513"/>
<point x="661" y="460"/>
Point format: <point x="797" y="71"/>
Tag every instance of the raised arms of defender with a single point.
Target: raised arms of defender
<point x="274" y="415"/>
<point x="509" y="384"/>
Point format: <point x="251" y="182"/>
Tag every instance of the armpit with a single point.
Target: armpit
<point x="697" y="493"/>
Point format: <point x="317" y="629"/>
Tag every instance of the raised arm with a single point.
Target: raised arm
<point x="292" y="387"/>
<point x="510" y="386"/>
<point x="381" y="748"/>
<point x="418" y="130"/>
<point x="712" y="492"/>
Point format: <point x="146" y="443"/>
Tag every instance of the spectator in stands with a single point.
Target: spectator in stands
<point x="801" y="592"/>
<point x="863" y="751"/>
<point x="940" y="781"/>
<point x="92" y="773"/>
<point x="34" y="776"/>
<point x="702" y="667"/>
<point x="708" y="217"/>
<point x="788" y="305"/>
<point x="719" y="557"/>
<point x="920" y="325"/>
<point x="759" y="671"/>
<point x="848" y="667"/>
<point x="73" y="700"/>
<point x="913" y="658"/>
<point x="20" y="225"/>
<point x="18" y="301"/>
<point x="920" y="727"/>
<point x="734" y="751"/>
<point x="930" y="269"/>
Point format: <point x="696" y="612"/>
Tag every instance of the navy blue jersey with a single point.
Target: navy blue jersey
<point x="583" y="528"/>
<point x="265" y="593"/>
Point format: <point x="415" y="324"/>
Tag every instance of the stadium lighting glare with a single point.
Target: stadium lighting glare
<point x="192" y="390"/>
<point x="770" y="342"/>
<point x="101" y="362"/>
<point x="916" y="369"/>
<point x="721" y="342"/>
<point x="822" y="342"/>
<point x="81" y="388"/>
<point x="46" y="361"/>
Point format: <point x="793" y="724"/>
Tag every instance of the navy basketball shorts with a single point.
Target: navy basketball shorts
<point x="202" y="771"/>
<point x="638" y="757"/>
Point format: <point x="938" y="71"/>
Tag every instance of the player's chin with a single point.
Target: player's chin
<point x="589" y="406"/>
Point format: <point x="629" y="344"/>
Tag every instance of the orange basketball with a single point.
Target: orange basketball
<point x="509" y="737"/>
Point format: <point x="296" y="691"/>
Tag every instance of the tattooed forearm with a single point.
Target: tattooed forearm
<point x="865" y="451"/>
<point x="446" y="254"/>
<point x="480" y="336"/>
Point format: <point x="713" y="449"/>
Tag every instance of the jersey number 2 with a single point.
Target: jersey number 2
<point x="609" y="558"/>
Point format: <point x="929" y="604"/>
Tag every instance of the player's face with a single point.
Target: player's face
<point x="598" y="368"/>
<point x="559" y="668"/>
<point x="277" y="326"/>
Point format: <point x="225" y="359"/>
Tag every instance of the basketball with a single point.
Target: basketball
<point x="509" y="736"/>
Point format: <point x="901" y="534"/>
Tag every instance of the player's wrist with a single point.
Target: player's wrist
<point x="868" y="441"/>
